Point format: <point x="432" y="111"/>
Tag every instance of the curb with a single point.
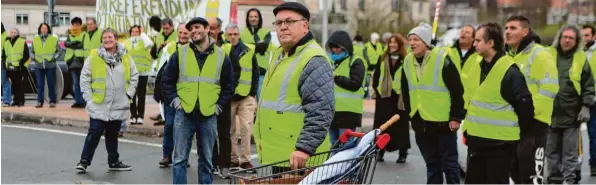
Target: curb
<point x="25" y="118"/>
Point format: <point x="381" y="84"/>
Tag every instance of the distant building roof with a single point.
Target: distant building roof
<point x="260" y="2"/>
<point x="58" y="2"/>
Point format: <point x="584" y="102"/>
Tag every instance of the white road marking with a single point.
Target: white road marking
<point x="253" y="156"/>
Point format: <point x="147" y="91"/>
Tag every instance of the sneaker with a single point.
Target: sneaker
<point x="139" y="121"/>
<point x="52" y="105"/>
<point x="225" y="173"/>
<point x="119" y="166"/>
<point x="234" y="166"/>
<point x="5" y="105"/>
<point x="82" y="168"/>
<point x="132" y="121"/>
<point x="165" y="162"/>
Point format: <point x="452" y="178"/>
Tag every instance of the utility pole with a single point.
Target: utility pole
<point x="51" y="4"/>
<point x="325" y="21"/>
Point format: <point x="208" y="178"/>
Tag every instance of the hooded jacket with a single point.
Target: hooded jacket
<point x="115" y="105"/>
<point x="568" y="101"/>
<point x="352" y="83"/>
<point x="261" y="47"/>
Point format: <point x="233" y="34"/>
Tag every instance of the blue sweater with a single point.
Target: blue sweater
<point x="171" y="72"/>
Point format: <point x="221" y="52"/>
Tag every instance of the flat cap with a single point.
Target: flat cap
<point x="293" y="6"/>
<point x="196" y="20"/>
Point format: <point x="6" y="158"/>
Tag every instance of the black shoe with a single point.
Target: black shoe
<point x="52" y="105"/>
<point x="81" y="167"/>
<point x="21" y="104"/>
<point x="77" y="105"/>
<point x="119" y="166"/>
<point x="156" y="117"/>
<point x="165" y="162"/>
<point x="401" y="159"/>
<point x="39" y="105"/>
<point x="159" y="123"/>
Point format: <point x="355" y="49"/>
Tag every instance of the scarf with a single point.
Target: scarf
<point x="387" y="81"/>
<point x="75" y="31"/>
<point x="112" y="59"/>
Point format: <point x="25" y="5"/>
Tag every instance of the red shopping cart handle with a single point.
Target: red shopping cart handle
<point x="381" y="140"/>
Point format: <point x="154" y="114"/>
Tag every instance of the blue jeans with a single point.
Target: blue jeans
<point x="185" y="127"/>
<point x="592" y="133"/>
<point x="96" y="129"/>
<point x="439" y="151"/>
<point x="367" y="90"/>
<point x="334" y="134"/>
<point x="6" y="90"/>
<point x="123" y="126"/>
<point x="168" y="130"/>
<point x="261" y="78"/>
<point x="41" y="75"/>
<point x="78" y="95"/>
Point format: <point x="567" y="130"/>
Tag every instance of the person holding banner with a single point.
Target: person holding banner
<point x="257" y="35"/>
<point x="198" y="83"/>
<point x="74" y="57"/>
<point x="44" y="52"/>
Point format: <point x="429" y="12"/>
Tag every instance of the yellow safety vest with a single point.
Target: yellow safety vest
<point x="542" y="77"/>
<point x="248" y="38"/>
<point x="160" y="39"/>
<point x="200" y="84"/>
<point x="346" y="100"/>
<point x="140" y="55"/>
<point x="280" y="116"/>
<point x="99" y="73"/>
<point x="428" y="94"/>
<point x="14" y="53"/>
<point x="575" y="72"/>
<point x="373" y="53"/>
<point x="489" y="115"/>
<point x="472" y="61"/>
<point x="45" y="51"/>
<point x="92" y="42"/>
<point x="75" y="52"/>
<point x="245" y="81"/>
<point x="359" y="51"/>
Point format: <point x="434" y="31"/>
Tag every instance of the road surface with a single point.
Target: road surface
<point x="48" y="154"/>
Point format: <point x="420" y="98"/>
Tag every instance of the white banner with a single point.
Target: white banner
<point x="122" y="14"/>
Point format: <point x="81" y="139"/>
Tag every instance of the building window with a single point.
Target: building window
<point x="62" y="20"/>
<point x="22" y="19"/>
<point x="395" y="5"/>
<point x="361" y="4"/>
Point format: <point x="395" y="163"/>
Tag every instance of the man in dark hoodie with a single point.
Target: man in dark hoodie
<point x="571" y="106"/>
<point x="541" y="76"/>
<point x="17" y="53"/>
<point x="349" y="75"/>
<point x="260" y="37"/>
<point x="75" y="58"/>
<point x="6" y="89"/>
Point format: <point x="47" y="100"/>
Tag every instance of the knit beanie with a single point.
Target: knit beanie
<point x="424" y="31"/>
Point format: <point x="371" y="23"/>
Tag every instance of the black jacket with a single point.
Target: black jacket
<point x="456" y="91"/>
<point x="235" y="54"/>
<point x="260" y="47"/>
<point x="75" y="63"/>
<point x="25" y="54"/>
<point x="352" y="83"/>
<point x="515" y="91"/>
<point x="464" y="58"/>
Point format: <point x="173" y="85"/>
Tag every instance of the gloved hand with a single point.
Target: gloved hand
<point x="218" y="110"/>
<point x="584" y="114"/>
<point x="260" y="48"/>
<point x="176" y="103"/>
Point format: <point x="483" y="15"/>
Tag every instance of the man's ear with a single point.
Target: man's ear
<point x="526" y="31"/>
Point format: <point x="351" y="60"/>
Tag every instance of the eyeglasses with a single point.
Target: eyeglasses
<point x="287" y="22"/>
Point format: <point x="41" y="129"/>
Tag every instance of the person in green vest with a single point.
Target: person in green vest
<point x="434" y="97"/>
<point x="350" y="71"/>
<point x="6" y="87"/>
<point x="571" y="106"/>
<point x="108" y="80"/>
<point x="17" y="53"/>
<point x="540" y="71"/>
<point x="244" y="104"/>
<point x="92" y="40"/>
<point x="260" y="37"/>
<point x="215" y="31"/>
<point x="75" y="57"/>
<point x="198" y="82"/>
<point x="389" y="102"/>
<point x="298" y="89"/>
<point x="372" y="51"/>
<point x="139" y="46"/>
<point x="589" y="33"/>
<point x="166" y="35"/>
<point x="44" y="52"/>
<point x="501" y="105"/>
<point x="358" y="44"/>
<point x="464" y="55"/>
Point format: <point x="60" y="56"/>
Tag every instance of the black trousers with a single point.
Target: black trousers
<point x="528" y="165"/>
<point x="489" y="165"/>
<point x="16" y="81"/>
<point x="137" y="107"/>
<point x="222" y="149"/>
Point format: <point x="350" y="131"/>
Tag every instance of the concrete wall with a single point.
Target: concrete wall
<point x="36" y="13"/>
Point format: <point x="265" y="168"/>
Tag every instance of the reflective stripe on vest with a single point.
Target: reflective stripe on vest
<point x="199" y="84"/>
<point x="14" y="53"/>
<point x="428" y="94"/>
<point x="99" y="73"/>
<point x="45" y="50"/>
<point x="489" y="115"/>
<point x="346" y="100"/>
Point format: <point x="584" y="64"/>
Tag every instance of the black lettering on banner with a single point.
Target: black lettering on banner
<point x="539" y="166"/>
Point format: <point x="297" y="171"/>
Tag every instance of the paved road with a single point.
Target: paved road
<point x="48" y="154"/>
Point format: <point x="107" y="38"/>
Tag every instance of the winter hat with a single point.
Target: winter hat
<point x="424" y="31"/>
<point x="293" y="6"/>
<point x="374" y="37"/>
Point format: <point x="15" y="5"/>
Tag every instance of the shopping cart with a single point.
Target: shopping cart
<point x="351" y="160"/>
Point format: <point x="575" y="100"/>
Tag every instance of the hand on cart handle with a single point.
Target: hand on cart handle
<point x="390" y="122"/>
<point x="298" y="159"/>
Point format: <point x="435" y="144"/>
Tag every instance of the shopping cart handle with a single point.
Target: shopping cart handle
<point x="390" y="122"/>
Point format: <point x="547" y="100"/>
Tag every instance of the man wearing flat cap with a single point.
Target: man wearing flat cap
<point x="297" y="98"/>
<point x="197" y="82"/>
